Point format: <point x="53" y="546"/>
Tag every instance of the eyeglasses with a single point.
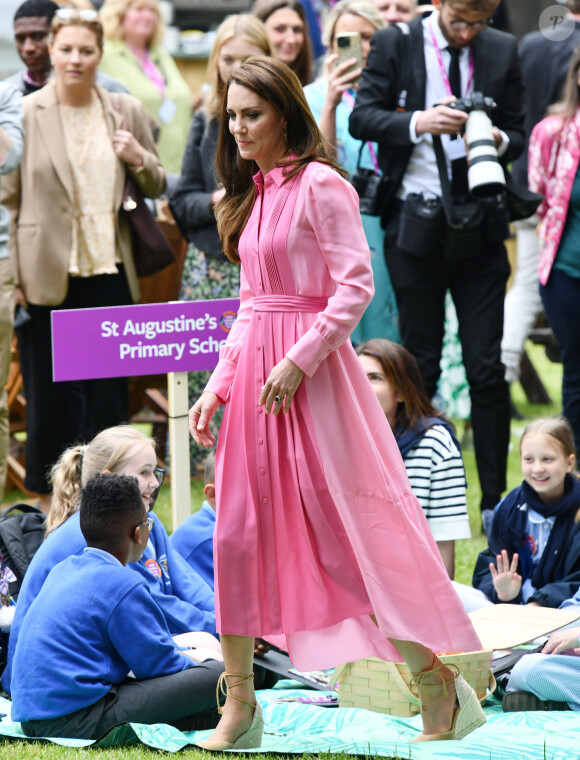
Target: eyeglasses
<point x="149" y="522"/>
<point x="159" y="474"/>
<point x="87" y="14"/>
<point x="459" y="25"/>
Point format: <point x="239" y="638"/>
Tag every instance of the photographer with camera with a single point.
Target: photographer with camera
<point x="434" y="243"/>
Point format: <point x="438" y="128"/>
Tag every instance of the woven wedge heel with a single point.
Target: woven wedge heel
<point x="467" y="716"/>
<point x="250" y="739"/>
<point x="468" y="713"/>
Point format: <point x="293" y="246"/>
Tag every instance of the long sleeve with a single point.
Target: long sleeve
<point x="572" y="602"/>
<point x="191" y="202"/>
<point x="139" y="633"/>
<point x="538" y="166"/>
<point x="180" y="615"/>
<point x="151" y="177"/>
<point x="185" y="599"/>
<point x="509" y="114"/>
<point x="11" y="148"/>
<point x="11" y="124"/>
<point x="374" y="116"/>
<point x="333" y="213"/>
<point x="557" y="593"/>
<point x="223" y="375"/>
<point x="193" y="540"/>
<point x="188" y="583"/>
<point x="437" y="477"/>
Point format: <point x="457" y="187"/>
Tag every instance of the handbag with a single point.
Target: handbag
<point x="370" y="185"/>
<point x="151" y="249"/>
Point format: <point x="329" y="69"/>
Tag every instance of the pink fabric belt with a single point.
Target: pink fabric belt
<point x="290" y="303"/>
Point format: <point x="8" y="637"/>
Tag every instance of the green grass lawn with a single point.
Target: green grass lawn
<point x="466" y="551"/>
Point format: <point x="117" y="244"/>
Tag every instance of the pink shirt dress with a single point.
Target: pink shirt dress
<point x="317" y="526"/>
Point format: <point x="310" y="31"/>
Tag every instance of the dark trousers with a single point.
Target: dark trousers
<point x="175" y="699"/>
<point x="477" y="286"/>
<point x="59" y="415"/>
<point x="561" y="299"/>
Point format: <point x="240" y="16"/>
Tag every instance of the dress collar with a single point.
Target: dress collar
<point x="276" y="175"/>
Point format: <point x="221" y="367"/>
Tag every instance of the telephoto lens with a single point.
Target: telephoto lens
<point x="485" y="175"/>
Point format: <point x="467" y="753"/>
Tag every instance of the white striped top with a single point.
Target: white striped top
<point x="437" y="477"/>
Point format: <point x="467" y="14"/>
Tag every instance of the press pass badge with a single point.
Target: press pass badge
<point x="456" y="149"/>
<point x="167" y="111"/>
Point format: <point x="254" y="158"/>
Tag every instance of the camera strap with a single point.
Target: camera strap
<point x="456" y="214"/>
<point x="348" y="96"/>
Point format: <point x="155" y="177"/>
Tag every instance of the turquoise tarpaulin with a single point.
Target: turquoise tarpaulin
<point x="295" y="728"/>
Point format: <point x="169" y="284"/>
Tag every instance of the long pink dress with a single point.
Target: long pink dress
<point x="317" y="526"/>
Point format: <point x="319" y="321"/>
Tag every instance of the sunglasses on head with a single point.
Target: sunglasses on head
<point x="87" y="14"/>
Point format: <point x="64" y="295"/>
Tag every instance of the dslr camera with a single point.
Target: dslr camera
<point x="485" y="175"/>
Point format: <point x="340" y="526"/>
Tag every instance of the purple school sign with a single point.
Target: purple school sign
<point x="153" y="339"/>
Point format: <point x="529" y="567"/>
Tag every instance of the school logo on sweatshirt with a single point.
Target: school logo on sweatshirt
<point x="532" y="545"/>
<point x="153" y="567"/>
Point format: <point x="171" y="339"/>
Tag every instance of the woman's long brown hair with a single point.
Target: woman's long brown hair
<point x="276" y="83"/>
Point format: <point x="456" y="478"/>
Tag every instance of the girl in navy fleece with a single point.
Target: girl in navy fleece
<point x="534" y="544"/>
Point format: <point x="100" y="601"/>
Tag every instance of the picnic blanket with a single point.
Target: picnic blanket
<point x="295" y="728"/>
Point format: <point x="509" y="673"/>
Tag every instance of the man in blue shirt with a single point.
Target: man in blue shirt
<point x="93" y="624"/>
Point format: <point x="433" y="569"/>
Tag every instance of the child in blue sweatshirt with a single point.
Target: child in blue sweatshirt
<point x="93" y="623"/>
<point x="193" y="539"/>
<point x="185" y="599"/>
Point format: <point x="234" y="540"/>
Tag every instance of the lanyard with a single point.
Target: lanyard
<point x="155" y="74"/>
<point x="443" y="70"/>
<point x="350" y="100"/>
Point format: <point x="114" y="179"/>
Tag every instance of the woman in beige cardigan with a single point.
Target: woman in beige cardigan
<point x="70" y="245"/>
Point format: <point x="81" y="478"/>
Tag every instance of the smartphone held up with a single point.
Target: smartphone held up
<point x="349" y="46"/>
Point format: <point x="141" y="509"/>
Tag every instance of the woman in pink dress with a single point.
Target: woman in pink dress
<point x="319" y="536"/>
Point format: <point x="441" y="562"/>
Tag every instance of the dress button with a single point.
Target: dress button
<point x="259" y="283"/>
<point x="265" y="500"/>
<point x="258" y="379"/>
<point x="258" y="348"/>
<point x="262" y="471"/>
<point x="259" y="316"/>
<point x="259" y="410"/>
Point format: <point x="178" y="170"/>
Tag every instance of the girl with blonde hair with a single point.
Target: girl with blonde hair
<point x="109" y="451"/>
<point x="534" y="541"/>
